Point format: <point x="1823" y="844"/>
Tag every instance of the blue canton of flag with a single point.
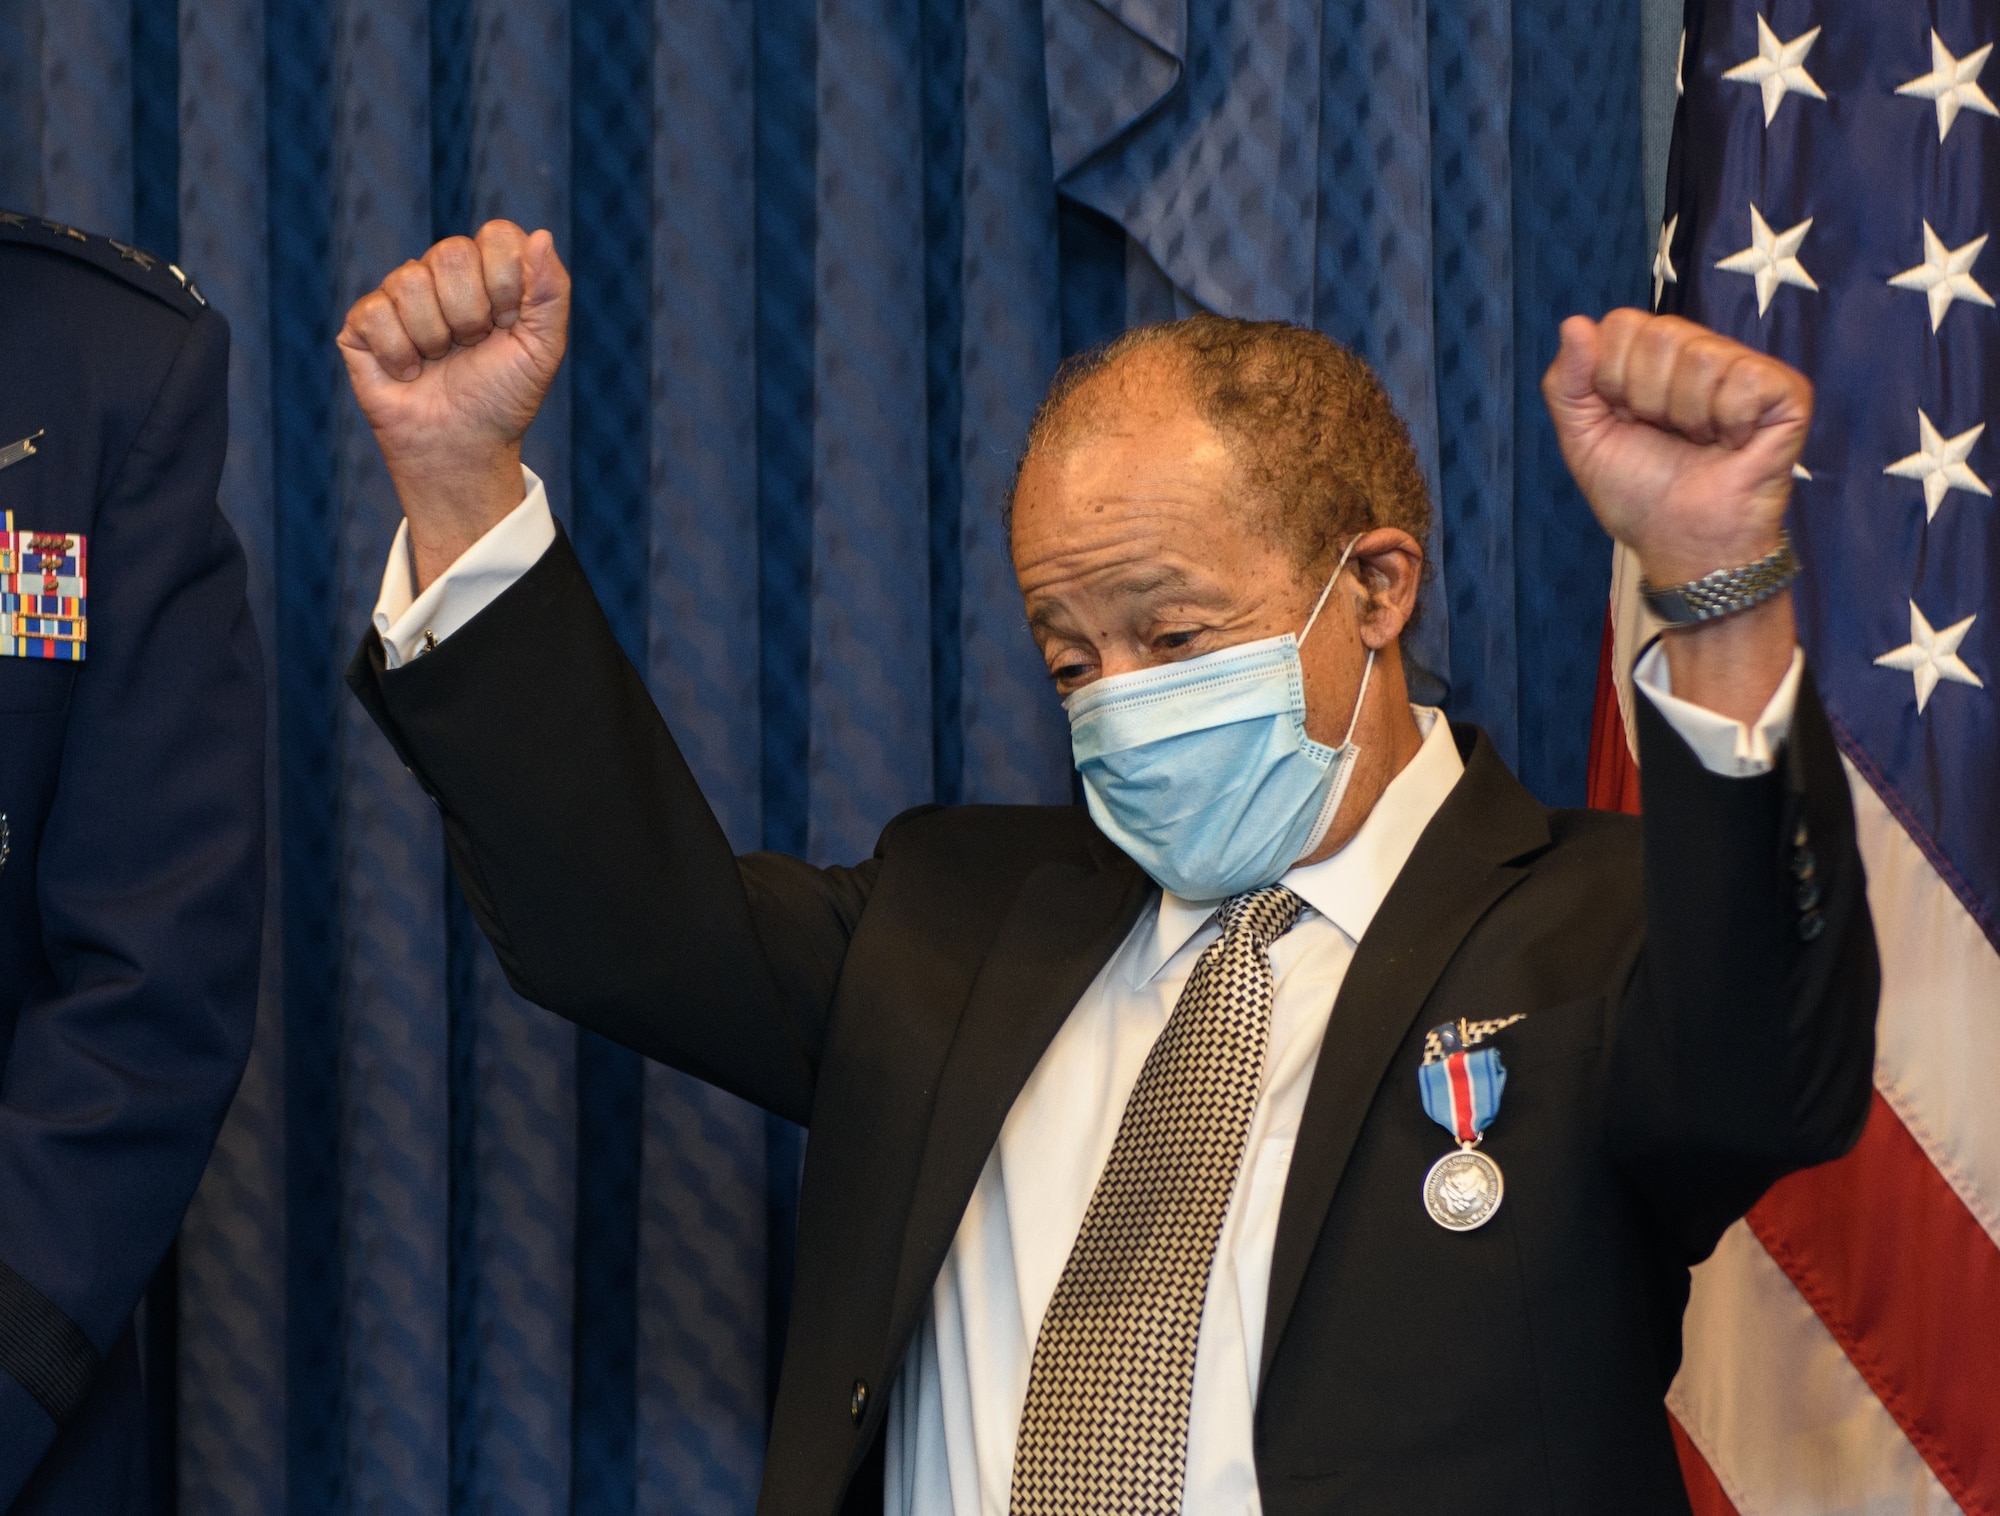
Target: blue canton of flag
<point x="1829" y="200"/>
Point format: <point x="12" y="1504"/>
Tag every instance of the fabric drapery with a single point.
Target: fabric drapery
<point x="450" y="1254"/>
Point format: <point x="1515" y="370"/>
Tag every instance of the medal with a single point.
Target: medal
<point x="1461" y="1089"/>
<point x="1463" y="1190"/>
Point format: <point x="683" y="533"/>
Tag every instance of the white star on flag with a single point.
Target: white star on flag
<point x="1953" y="83"/>
<point x="1945" y="275"/>
<point x="1779" y="68"/>
<point x="1940" y="464"/>
<point x="1931" y="655"/>
<point x="1663" y="261"/>
<point x="1772" y="258"/>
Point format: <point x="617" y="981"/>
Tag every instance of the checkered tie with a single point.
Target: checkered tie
<point x="1104" y="1430"/>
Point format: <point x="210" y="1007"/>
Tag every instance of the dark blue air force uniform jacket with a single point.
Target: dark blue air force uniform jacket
<point x="131" y="896"/>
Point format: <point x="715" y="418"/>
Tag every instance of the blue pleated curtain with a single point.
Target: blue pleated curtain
<point x="451" y="1254"/>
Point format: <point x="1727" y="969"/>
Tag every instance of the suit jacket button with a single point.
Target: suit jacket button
<point x="1807" y="895"/>
<point x="1803" y="863"/>
<point x="1811" y="924"/>
<point x="857" y="1403"/>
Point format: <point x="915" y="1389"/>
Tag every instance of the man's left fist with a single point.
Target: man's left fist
<point x="1683" y="441"/>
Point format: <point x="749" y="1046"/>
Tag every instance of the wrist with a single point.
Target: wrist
<point x="450" y="504"/>
<point x="1733" y="664"/>
<point x="1688" y="558"/>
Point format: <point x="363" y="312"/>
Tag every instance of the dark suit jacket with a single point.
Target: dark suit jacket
<point x="132" y="896"/>
<point x="1690" y="1036"/>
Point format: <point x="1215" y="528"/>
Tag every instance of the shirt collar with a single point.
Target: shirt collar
<point x="1349" y="887"/>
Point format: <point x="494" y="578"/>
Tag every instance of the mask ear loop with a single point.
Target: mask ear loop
<point x="1359" y="699"/>
<point x="1368" y="667"/>
<point x="1333" y="579"/>
<point x="1346" y="754"/>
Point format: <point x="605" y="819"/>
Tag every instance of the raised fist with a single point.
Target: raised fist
<point x="1683" y="441"/>
<point x="450" y="359"/>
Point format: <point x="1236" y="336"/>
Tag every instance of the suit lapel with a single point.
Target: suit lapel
<point x="1460" y="867"/>
<point x="1066" y="921"/>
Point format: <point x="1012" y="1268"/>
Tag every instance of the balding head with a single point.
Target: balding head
<point x="1320" y="452"/>
<point x="1188" y="489"/>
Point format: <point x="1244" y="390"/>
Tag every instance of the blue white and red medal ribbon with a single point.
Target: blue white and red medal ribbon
<point x="1462" y="1091"/>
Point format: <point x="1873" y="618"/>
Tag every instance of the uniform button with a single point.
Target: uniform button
<point x="1799" y="837"/>
<point x="1807" y="894"/>
<point x="1803" y="863"/>
<point x="857" y="1403"/>
<point x="1811" y="924"/>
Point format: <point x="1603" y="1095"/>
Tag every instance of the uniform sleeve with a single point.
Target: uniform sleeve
<point x="149" y="883"/>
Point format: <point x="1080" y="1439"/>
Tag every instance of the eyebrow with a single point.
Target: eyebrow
<point x="1135" y="586"/>
<point x="1152" y="582"/>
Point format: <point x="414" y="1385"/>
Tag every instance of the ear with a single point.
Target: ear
<point x="1389" y="563"/>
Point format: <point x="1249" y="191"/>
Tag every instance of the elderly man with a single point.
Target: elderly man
<point x="1316" y="1122"/>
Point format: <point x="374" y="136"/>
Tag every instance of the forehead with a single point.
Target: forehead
<point x="1130" y="432"/>
<point x="1144" y="503"/>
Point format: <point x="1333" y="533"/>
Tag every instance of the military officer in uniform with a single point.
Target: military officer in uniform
<point x="131" y="833"/>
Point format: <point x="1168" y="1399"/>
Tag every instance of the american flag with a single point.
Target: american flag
<point x="1834" y="180"/>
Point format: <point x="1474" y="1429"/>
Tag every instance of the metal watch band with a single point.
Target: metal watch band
<point x="1725" y="591"/>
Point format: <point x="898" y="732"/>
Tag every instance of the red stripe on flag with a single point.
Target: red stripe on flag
<point x="1611" y="782"/>
<point x="1908" y="1283"/>
<point x="1705" y="1492"/>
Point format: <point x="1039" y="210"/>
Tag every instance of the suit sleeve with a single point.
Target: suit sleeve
<point x="149" y="882"/>
<point x="1744" y="1044"/>
<point x="590" y="858"/>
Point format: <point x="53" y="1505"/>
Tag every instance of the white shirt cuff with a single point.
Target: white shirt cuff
<point x="410" y="624"/>
<point x="1723" y="746"/>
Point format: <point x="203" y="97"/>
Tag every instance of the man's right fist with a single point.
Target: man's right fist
<point x="450" y="359"/>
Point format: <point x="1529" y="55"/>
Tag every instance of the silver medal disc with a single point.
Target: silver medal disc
<point x="1463" y="1190"/>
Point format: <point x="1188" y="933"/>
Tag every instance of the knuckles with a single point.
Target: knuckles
<point x="454" y="253"/>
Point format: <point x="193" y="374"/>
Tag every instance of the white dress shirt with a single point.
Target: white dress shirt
<point x="957" y="1404"/>
<point x="409" y="624"/>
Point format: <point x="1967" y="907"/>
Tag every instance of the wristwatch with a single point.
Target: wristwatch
<point x="1725" y="591"/>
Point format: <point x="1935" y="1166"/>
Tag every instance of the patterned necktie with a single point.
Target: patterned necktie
<point x="1104" y="1430"/>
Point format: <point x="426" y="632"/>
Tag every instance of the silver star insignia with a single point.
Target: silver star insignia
<point x="132" y="254"/>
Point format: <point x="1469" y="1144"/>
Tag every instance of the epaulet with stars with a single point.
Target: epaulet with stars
<point x="142" y="270"/>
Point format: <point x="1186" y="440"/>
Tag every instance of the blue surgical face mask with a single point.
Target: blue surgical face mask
<point x="1202" y="770"/>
